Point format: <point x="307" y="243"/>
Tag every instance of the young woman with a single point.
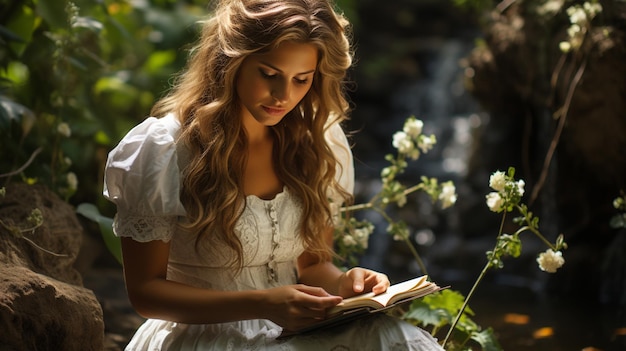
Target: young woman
<point x="225" y="202"/>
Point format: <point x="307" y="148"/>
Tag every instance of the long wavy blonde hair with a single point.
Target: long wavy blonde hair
<point x="204" y="99"/>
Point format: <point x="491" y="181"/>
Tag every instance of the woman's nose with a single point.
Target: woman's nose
<point x="281" y="92"/>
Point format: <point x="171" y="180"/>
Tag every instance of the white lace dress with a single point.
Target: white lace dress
<point x="143" y="179"/>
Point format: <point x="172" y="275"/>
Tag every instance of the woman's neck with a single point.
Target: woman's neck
<point x="256" y="132"/>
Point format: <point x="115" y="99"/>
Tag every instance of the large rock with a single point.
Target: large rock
<point x="43" y="304"/>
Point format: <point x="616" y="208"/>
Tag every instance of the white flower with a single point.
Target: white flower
<point x="402" y="141"/>
<point x="551" y="7"/>
<point x="413" y="127"/>
<point x="64" y="129"/>
<point x="573" y="30"/>
<point x="565" y="46"/>
<point x="497" y="181"/>
<point x="448" y="194"/>
<point x="577" y="15"/>
<point x="549" y="261"/>
<point x="576" y="41"/>
<point x="426" y="143"/>
<point x="592" y="9"/>
<point x="520" y="187"/>
<point x="363" y="235"/>
<point x="67" y="161"/>
<point x="72" y="180"/>
<point x="494" y="201"/>
<point x="349" y="240"/>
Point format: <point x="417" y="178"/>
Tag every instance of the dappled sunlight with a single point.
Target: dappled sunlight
<point x="515" y="318"/>
<point x="543" y="333"/>
<point x="620" y="332"/>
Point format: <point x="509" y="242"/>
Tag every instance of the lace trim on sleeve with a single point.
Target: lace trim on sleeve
<point x="145" y="228"/>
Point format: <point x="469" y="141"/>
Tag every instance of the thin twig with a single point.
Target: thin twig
<point x="24" y="166"/>
<point x="505" y="4"/>
<point x="42" y="249"/>
<point x="17" y="232"/>
<point x="476" y="283"/>
<point x="557" y="134"/>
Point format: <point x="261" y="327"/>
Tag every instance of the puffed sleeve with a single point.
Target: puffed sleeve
<point x="338" y="143"/>
<point x="142" y="178"/>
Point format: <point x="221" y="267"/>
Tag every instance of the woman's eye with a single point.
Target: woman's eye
<point x="267" y="75"/>
<point x="301" y="81"/>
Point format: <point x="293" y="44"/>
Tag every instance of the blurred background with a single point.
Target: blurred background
<point x="490" y="79"/>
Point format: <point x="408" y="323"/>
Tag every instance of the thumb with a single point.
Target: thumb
<point x="358" y="280"/>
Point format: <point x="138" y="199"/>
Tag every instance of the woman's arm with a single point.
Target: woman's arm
<point x="153" y="296"/>
<point x="326" y="275"/>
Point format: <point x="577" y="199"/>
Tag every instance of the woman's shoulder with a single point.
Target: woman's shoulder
<point x="164" y="128"/>
<point x="151" y="140"/>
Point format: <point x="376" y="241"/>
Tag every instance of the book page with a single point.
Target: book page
<point x="381" y="300"/>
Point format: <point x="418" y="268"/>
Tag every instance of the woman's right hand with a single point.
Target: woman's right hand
<point x="294" y="307"/>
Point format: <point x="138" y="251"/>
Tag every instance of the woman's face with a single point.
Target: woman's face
<point x="271" y="84"/>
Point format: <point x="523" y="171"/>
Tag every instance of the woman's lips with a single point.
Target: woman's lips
<point x="274" y="110"/>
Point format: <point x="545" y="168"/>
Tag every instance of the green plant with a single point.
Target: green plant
<point x="19" y="229"/>
<point x="105" y="224"/>
<point x="505" y="199"/>
<point x="448" y="307"/>
<point x="75" y="76"/>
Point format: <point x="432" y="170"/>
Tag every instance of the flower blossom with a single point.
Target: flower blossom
<point x="577" y="15"/>
<point x="413" y="127"/>
<point x="363" y="234"/>
<point x="550" y="7"/>
<point x="426" y="143"/>
<point x="550" y="260"/>
<point x="520" y="187"/>
<point x="402" y="141"/>
<point x="448" y="194"/>
<point x="64" y="129"/>
<point x="349" y="240"/>
<point x="497" y="181"/>
<point x="592" y="9"/>
<point x="495" y="201"/>
<point x="72" y="181"/>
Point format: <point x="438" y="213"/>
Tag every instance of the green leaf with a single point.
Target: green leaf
<point x="12" y="111"/>
<point x="53" y="12"/>
<point x="425" y="314"/>
<point x="618" y="221"/>
<point x="87" y="23"/>
<point x="159" y="60"/>
<point x="448" y="299"/>
<point x="112" y="242"/>
<point x="487" y="340"/>
<point x="8" y="35"/>
<point x="22" y="23"/>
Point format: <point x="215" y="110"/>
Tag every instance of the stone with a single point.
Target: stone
<point x="43" y="303"/>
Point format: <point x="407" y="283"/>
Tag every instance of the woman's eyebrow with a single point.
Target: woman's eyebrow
<point x="280" y="71"/>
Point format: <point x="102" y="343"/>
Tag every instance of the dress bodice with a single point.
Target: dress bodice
<point x="268" y="231"/>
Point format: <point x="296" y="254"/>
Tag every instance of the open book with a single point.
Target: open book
<point x="369" y="303"/>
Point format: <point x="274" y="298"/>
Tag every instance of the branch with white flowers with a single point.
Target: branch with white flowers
<point x="410" y="143"/>
<point x="506" y="198"/>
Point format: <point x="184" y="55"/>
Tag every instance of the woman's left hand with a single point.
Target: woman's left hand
<point x="360" y="280"/>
